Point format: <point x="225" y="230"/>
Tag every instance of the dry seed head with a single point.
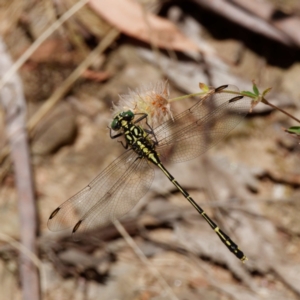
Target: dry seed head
<point x="151" y="99"/>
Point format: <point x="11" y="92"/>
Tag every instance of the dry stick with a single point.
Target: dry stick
<point x="13" y="101"/>
<point x="5" y="163"/>
<point x="66" y="85"/>
<point x="64" y="88"/>
<point x="16" y="66"/>
<point x="263" y="100"/>
<point x="144" y="259"/>
<point x="281" y="110"/>
<point x="20" y="154"/>
<point x="14" y="243"/>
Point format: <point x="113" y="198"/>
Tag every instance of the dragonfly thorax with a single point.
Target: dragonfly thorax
<point x="135" y="136"/>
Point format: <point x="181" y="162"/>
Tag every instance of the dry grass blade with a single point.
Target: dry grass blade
<point x="32" y="256"/>
<point x="66" y="85"/>
<point x="144" y="259"/>
<point x="16" y="66"/>
<point x="61" y="91"/>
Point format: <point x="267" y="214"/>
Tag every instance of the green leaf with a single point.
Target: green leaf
<point x="203" y="87"/>
<point x="255" y="89"/>
<point x="294" y="129"/>
<point x="248" y="94"/>
<point x="266" y="91"/>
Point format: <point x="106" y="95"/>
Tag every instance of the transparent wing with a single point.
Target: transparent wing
<point x="110" y="195"/>
<point x="197" y="129"/>
<point x="120" y="199"/>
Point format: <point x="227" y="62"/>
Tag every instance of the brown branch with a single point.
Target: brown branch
<point x="12" y="99"/>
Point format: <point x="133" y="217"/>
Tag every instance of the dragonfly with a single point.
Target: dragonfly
<point x="118" y="188"/>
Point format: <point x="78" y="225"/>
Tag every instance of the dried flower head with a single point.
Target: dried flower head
<point x="152" y="100"/>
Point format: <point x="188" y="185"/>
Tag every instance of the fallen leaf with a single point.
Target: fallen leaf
<point x="130" y="18"/>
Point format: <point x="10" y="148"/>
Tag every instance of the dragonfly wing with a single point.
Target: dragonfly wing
<point x="120" y="198"/>
<point x="163" y="131"/>
<point x="100" y="191"/>
<point x="202" y="126"/>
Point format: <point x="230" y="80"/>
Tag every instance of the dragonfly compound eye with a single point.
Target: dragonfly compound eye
<point x="128" y="115"/>
<point x="115" y="124"/>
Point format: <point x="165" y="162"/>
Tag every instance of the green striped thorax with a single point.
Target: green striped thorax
<point x="125" y="115"/>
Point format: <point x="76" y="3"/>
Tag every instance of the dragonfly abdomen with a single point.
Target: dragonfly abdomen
<point x="224" y="238"/>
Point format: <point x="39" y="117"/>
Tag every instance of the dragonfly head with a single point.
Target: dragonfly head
<point x="125" y="115"/>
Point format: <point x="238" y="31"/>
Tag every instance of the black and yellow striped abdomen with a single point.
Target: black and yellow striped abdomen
<point x="224" y="238"/>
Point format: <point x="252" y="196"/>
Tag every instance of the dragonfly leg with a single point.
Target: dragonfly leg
<point x="114" y="136"/>
<point x="124" y="145"/>
<point x="140" y="118"/>
<point x="150" y="130"/>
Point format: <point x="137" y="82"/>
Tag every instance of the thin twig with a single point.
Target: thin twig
<point x="26" y="55"/>
<point x="14" y="243"/>
<point x="187" y="96"/>
<point x="144" y="259"/>
<point x="281" y="110"/>
<point x="67" y="84"/>
<point x="16" y="66"/>
<point x="263" y="100"/>
<point x="13" y="102"/>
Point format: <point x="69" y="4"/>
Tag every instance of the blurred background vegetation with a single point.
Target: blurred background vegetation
<point x="63" y="64"/>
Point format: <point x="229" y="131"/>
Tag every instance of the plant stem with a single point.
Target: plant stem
<point x="186" y="96"/>
<point x="281" y="110"/>
<point x="202" y="94"/>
